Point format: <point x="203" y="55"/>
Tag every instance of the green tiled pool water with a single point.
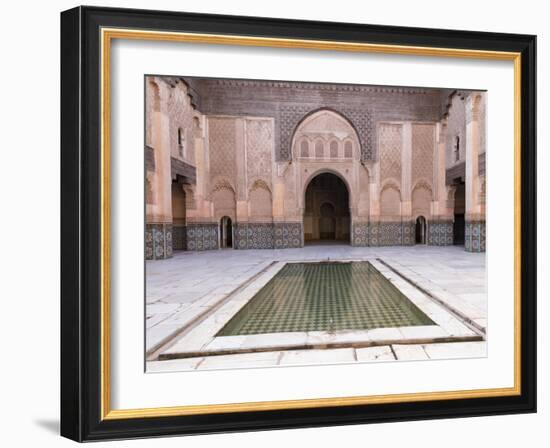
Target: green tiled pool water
<point x="327" y="296"/>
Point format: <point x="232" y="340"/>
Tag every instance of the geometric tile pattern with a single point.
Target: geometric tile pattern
<point x="325" y="297"/>
<point x="400" y="233"/>
<point x="202" y="236"/>
<point x="288" y="235"/>
<point x="440" y="233"/>
<point x="390" y="234"/>
<point x="360" y="234"/>
<point x="253" y="236"/>
<point x="158" y="241"/>
<point x="162" y="239"/>
<point x="474" y="236"/>
<point x="279" y="235"/>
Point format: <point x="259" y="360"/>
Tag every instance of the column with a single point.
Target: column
<point x="474" y="232"/>
<point x="371" y="232"/>
<point x="440" y="230"/>
<point x="159" y="219"/>
<point x="407" y="224"/>
<point x="241" y="225"/>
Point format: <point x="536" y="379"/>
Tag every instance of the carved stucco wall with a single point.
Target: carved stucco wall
<point x="222" y="150"/>
<point x="390" y="203"/>
<point x="288" y="102"/>
<point x="390" y="143"/>
<point x="259" y="151"/>
<point x="152" y="100"/>
<point x="260" y="203"/>
<point x="421" y="199"/>
<point x="223" y="201"/>
<point x="326" y="135"/>
<point x="182" y="141"/>
<point x="456" y="127"/>
<point x="423" y="144"/>
<point x="292" y="116"/>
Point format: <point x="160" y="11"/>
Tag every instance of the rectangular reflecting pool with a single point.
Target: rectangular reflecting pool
<point x="326" y="296"/>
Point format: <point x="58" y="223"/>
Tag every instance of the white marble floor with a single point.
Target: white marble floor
<point x="180" y="289"/>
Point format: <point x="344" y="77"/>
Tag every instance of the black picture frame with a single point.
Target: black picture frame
<point x="81" y="208"/>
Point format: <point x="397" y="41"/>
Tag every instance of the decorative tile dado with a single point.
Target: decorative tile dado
<point x="253" y="236"/>
<point x="408" y="233"/>
<point x="202" y="236"/>
<point x="158" y="241"/>
<point x="474" y="236"/>
<point x="383" y="234"/>
<point x="288" y="235"/>
<point x="268" y="235"/>
<point x="390" y="234"/>
<point x="440" y="233"/>
<point x="360" y="234"/>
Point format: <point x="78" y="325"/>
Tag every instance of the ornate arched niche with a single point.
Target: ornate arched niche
<point x="329" y="130"/>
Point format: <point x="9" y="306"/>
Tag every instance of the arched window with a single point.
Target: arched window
<point x="181" y="142"/>
<point x="348" y="150"/>
<point x="304" y="149"/>
<point x="457" y="148"/>
<point x="319" y="149"/>
<point x="334" y="149"/>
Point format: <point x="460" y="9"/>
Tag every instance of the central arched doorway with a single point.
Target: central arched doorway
<point x="327" y="210"/>
<point x="420" y="230"/>
<point x="226" y="232"/>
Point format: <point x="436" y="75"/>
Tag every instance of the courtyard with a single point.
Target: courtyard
<point x="202" y="310"/>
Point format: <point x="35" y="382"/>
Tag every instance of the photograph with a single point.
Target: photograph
<point x="291" y="223"/>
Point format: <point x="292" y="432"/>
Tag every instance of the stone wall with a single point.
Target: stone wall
<point x="288" y="102"/>
<point x="248" y="150"/>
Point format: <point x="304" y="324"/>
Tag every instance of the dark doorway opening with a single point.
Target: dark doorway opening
<point x="178" y="215"/>
<point x="459" y="209"/>
<point x="326" y="211"/>
<point x="420" y="230"/>
<point x="226" y="232"/>
<point x="327" y="222"/>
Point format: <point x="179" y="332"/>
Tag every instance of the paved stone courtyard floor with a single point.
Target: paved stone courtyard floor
<point x="190" y="296"/>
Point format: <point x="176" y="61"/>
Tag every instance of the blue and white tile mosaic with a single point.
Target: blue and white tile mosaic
<point x="158" y="241"/>
<point x="288" y="235"/>
<point x="253" y="236"/>
<point x="440" y="233"/>
<point x="268" y="235"/>
<point x="474" y="236"/>
<point x="202" y="236"/>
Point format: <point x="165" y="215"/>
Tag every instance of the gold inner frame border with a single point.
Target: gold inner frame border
<point x="107" y="35"/>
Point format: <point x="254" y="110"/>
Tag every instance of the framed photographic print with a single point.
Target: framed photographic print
<point x="272" y="224"/>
